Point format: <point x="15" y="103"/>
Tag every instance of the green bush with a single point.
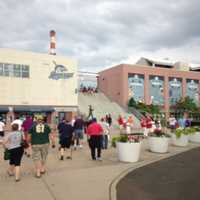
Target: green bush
<point x="121" y="138"/>
<point x="184" y="131"/>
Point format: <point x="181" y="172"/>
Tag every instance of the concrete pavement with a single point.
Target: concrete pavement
<point x="80" y="178"/>
<point x="174" y="178"/>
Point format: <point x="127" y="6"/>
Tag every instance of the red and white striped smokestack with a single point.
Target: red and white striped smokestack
<point x="52" y="42"/>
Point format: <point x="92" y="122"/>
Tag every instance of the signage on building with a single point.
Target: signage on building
<point x="60" y="72"/>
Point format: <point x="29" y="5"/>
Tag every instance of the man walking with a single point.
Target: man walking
<point x="65" y="136"/>
<point x="39" y="136"/>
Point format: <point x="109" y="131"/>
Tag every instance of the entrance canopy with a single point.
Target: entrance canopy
<point x="33" y="109"/>
<point x="4" y="109"/>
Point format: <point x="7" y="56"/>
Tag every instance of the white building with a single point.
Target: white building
<point x="37" y="83"/>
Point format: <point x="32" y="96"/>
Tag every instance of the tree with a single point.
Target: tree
<point x="186" y="104"/>
<point x="132" y="103"/>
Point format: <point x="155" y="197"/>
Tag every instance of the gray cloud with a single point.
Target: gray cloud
<point x="99" y="33"/>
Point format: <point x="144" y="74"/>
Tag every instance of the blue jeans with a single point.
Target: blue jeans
<point x="105" y="142"/>
<point x="78" y="135"/>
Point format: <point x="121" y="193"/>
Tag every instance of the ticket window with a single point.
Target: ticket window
<point x="61" y="115"/>
<point x="66" y="115"/>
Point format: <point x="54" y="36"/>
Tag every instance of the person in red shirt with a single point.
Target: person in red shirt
<point x="144" y="125"/>
<point x="149" y="123"/>
<point x="120" y="122"/>
<point x="95" y="132"/>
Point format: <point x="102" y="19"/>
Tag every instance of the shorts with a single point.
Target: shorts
<point x="1" y="133"/>
<point x="78" y="133"/>
<point x="40" y="152"/>
<point x="16" y="156"/>
<point x="65" y="142"/>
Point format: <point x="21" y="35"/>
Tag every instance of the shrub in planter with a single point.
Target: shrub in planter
<point x="128" y="147"/>
<point x="181" y="136"/>
<point x="195" y="137"/>
<point x="184" y="131"/>
<point x="158" y="141"/>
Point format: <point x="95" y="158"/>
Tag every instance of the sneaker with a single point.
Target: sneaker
<point x="69" y="157"/>
<point x="62" y="158"/>
<point x="10" y="174"/>
<point x="80" y="146"/>
<point x="99" y="158"/>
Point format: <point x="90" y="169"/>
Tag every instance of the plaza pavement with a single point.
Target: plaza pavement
<point x="173" y="178"/>
<point x="76" y="179"/>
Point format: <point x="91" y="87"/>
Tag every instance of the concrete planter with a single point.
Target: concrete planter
<point x="128" y="152"/>
<point x="158" y="144"/>
<point x="195" y="137"/>
<point x="181" y="142"/>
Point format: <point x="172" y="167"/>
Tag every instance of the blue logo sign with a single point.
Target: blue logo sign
<point x="60" y="72"/>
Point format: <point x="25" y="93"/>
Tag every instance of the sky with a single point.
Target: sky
<point x="100" y="34"/>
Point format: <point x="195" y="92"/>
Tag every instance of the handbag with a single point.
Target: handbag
<point x="24" y="144"/>
<point x="6" y="154"/>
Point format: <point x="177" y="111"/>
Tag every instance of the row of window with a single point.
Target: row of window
<point x="156" y="88"/>
<point x="14" y="70"/>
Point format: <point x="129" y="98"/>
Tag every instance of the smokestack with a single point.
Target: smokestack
<point x="52" y="42"/>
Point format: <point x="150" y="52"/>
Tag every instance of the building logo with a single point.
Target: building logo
<point x="60" y="72"/>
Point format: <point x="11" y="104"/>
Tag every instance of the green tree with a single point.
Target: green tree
<point x="132" y="102"/>
<point x="186" y="104"/>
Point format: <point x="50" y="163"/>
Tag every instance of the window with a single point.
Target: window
<point x="1" y="69"/>
<point x="14" y="70"/>
<point x="6" y="70"/>
<point x="25" y="71"/>
<point x="17" y="71"/>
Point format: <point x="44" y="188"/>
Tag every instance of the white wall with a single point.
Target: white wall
<point x="38" y="89"/>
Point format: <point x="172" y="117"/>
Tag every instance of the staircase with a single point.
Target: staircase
<point x="102" y="106"/>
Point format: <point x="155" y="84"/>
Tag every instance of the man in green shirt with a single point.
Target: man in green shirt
<point x="39" y="136"/>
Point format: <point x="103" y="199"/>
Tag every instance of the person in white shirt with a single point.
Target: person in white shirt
<point x="106" y="133"/>
<point x="19" y="122"/>
<point x="2" y="125"/>
<point x="172" y="123"/>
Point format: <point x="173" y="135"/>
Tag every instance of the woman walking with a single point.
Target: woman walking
<point x="26" y="126"/>
<point x="95" y="132"/>
<point x="12" y="142"/>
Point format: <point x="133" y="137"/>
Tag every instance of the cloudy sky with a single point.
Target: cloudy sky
<point x="102" y="33"/>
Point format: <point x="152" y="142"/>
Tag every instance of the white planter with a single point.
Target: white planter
<point x="158" y="144"/>
<point x="128" y="152"/>
<point x="195" y="137"/>
<point x="181" y="142"/>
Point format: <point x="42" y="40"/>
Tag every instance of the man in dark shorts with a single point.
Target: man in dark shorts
<point x="65" y="135"/>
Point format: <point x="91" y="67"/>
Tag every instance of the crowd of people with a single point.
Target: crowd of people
<point x="126" y="124"/>
<point x="150" y="124"/>
<point x="33" y="138"/>
<point x="88" y="90"/>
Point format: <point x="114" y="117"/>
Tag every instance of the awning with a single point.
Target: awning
<point x="66" y="109"/>
<point x="33" y="109"/>
<point x="4" y="109"/>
